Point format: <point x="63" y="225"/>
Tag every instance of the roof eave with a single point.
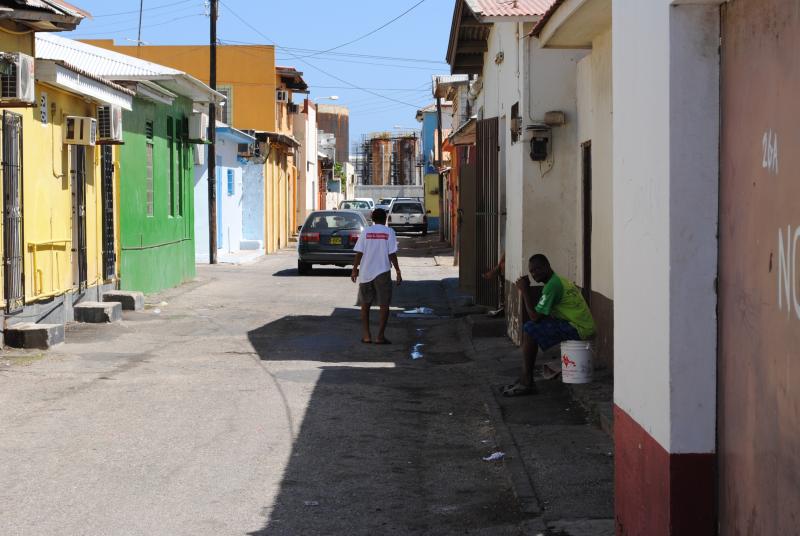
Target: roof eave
<point x="573" y="24"/>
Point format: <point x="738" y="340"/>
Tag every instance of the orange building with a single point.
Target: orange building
<point x="258" y="99"/>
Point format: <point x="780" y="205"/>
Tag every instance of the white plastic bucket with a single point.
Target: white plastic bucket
<point x="576" y="362"/>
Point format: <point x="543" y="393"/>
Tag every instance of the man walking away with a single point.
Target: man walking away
<point x="376" y="253"/>
<point x="558" y="314"/>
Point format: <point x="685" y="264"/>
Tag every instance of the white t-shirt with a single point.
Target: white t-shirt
<point x="376" y="243"/>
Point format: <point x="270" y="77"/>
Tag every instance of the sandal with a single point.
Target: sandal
<point x="384" y="341"/>
<point x="366" y="341"/>
<point x="519" y="390"/>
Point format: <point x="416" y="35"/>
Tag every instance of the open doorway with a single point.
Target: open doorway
<point x="586" y="162"/>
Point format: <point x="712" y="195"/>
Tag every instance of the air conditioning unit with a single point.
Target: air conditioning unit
<point x="16" y="78"/>
<point x="198" y="127"/>
<point x="80" y="130"/>
<point x="109" y="125"/>
<point x="282" y="95"/>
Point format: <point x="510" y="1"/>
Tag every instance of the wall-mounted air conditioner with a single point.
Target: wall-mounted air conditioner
<point x="80" y="130"/>
<point x="109" y="125"/>
<point x="16" y="78"/>
<point x="198" y="127"/>
<point x="282" y="95"/>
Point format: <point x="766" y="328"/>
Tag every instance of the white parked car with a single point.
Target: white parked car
<point x="408" y="215"/>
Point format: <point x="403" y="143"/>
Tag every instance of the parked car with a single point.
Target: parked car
<point x="408" y="215"/>
<point x="359" y="206"/>
<point x="328" y="237"/>
<point x="367" y="200"/>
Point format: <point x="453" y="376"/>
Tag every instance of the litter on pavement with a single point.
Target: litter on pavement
<point x="495" y="457"/>
<point x="416" y="351"/>
<point x="418" y="312"/>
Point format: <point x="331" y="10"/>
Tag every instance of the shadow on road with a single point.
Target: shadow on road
<point x="387" y="444"/>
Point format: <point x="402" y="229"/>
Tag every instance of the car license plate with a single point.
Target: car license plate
<point x="336" y="240"/>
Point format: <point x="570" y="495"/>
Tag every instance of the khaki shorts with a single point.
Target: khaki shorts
<point x="376" y="292"/>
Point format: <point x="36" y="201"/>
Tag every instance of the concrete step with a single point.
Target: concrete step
<point x="98" y="312"/>
<point x="130" y="300"/>
<point x="30" y="335"/>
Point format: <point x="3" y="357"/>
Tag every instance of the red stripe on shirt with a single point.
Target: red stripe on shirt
<point x="377" y="236"/>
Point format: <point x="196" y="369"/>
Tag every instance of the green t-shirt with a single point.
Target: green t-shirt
<point x="562" y="299"/>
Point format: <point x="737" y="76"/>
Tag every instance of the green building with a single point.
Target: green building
<point x="155" y="194"/>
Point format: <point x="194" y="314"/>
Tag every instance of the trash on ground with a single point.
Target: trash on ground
<point x="311" y="503"/>
<point x="494" y="457"/>
<point x="418" y="312"/>
<point x="157" y="311"/>
<point x="416" y="351"/>
<point x="163" y="304"/>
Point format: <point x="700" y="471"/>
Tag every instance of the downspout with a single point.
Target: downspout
<point x="440" y="163"/>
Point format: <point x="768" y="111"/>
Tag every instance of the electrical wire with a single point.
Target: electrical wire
<point x="342" y="80"/>
<point x="163" y="6"/>
<point x="376" y="30"/>
<point x="112" y="32"/>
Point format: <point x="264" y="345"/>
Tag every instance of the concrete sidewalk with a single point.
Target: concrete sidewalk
<point x="560" y="462"/>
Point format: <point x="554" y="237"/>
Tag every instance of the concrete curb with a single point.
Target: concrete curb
<point x="517" y="474"/>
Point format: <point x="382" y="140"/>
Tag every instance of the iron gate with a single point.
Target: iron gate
<point x="13" y="236"/>
<point x="486" y="210"/>
<point x="79" y="192"/>
<point x="109" y="249"/>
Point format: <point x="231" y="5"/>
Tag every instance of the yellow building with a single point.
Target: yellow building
<point x="59" y="226"/>
<point x="258" y="99"/>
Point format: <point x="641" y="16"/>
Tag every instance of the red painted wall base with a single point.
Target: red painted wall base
<point x="658" y="493"/>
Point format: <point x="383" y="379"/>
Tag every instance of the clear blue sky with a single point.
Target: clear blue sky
<point x="418" y="37"/>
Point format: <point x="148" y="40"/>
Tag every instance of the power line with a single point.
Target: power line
<point x="259" y="32"/>
<point x="345" y="54"/>
<point x="379" y="28"/>
<point x="110" y="32"/>
<point x="134" y="12"/>
<point x="428" y="69"/>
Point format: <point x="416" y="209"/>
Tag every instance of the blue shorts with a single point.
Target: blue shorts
<point x="550" y="331"/>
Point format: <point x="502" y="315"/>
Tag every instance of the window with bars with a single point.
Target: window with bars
<point x="148" y="132"/>
<point x="231" y="185"/>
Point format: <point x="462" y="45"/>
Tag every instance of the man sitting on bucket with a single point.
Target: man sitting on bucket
<point x="556" y="312"/>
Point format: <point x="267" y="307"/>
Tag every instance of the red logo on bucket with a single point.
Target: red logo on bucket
<point x="567" y="361"/>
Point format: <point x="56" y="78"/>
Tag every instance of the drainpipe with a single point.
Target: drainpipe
<point x="440" y="160"/>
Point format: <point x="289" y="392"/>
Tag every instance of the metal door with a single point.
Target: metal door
<point x="486" y="210"/>
<point x="467" y="273"/>
<point x="78" y="172"/>
<point x="109" y="246"/>
<point x="13" y="235"/>
<point x="759" y="277"/>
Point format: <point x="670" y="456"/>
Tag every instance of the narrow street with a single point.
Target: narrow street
<point x="244" y="403"/>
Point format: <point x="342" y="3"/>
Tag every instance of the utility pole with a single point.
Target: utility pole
<point x="440" y="162"/>
<point x="212" y="146"/>
<point x="139" y="37"/>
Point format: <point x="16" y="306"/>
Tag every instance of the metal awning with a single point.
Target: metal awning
<point x="465" y="134"/>
<point x="61" y="75"/>
<point x="277" y="137"/>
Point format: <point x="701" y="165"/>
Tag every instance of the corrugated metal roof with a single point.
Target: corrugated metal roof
<point x="58" y="7"/>
<point x="96" y="60"/>
<point x="115" y="66"/>
<point x="509" y="8"/>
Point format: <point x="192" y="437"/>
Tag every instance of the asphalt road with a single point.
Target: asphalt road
<point x="244" y="403"/>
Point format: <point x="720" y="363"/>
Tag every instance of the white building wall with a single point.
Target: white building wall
<point x="666" y="137"/>
<point x="228" y="205"/>
<point x="305" y="130"/>
<point x="595" y="124"/>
